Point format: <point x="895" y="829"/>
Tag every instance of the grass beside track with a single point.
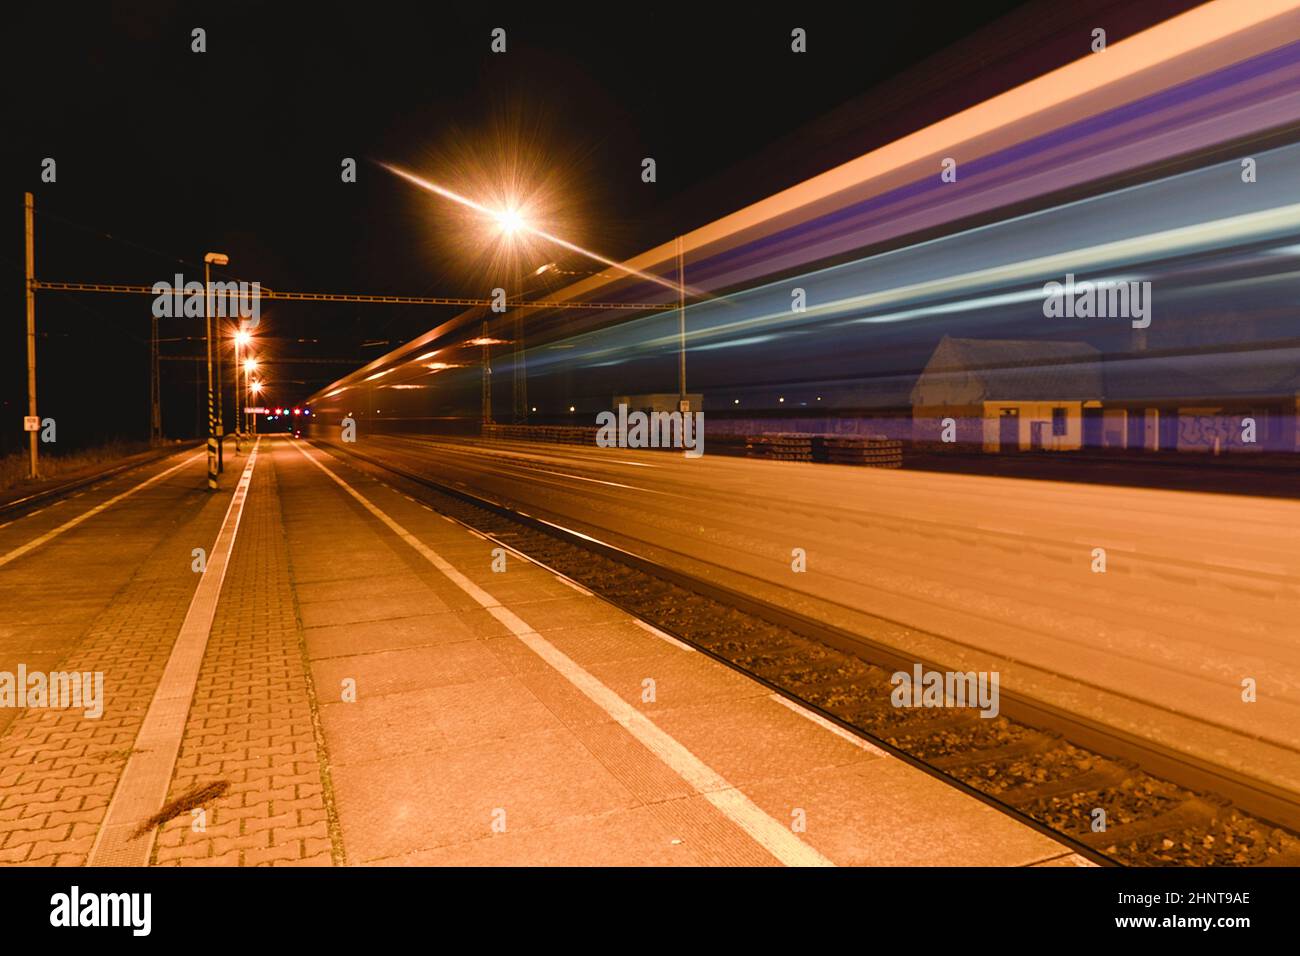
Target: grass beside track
<point x="13" y="468"/>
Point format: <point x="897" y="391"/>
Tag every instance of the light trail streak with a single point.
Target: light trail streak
<point x="514" y="223"/>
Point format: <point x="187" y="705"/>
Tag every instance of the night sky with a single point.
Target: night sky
<point x="163" y="154"/>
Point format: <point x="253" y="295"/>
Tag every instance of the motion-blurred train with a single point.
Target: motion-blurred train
<point x="906" y="294"/>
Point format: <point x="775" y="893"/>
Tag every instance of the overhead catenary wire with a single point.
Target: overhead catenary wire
<point x="264" y="293"/>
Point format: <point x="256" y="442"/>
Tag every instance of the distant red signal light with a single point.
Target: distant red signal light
<point x="278" y="411"/>
<point x="296" y="411"/>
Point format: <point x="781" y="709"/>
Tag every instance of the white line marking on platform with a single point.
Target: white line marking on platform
<point x="142" y="787"/>
<point x="767" y="832"/>
<point x="569" y="584"/>
<point x="833" y="727"/>
<point x="1069" y="859"/>
<point x="35" y="543"/>
<point x="663" y="636"/>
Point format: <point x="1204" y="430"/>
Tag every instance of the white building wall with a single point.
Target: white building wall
<point x="1031" y="412"/>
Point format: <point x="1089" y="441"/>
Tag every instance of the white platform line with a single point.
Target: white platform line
<point x="569" y="584"/>
<point x="833" y="727"/>
<point x="767" y="832"/>
<point x="143" y="785"/>
<point x="35" y="543"/>
<point x="663" y="635"/>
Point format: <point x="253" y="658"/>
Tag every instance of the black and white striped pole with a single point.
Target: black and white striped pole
<point x="221" y="260"/>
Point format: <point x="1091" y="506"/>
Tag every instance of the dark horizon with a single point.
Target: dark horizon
<point x="163" y="154"/>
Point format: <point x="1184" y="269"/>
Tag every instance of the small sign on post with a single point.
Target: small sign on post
<point x="31" y="423"/>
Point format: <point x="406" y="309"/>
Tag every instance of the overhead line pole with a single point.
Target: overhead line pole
<point x="212" y="416"/>
<point x="29" y="204"/>
<point x="215" y="417"/>
<point x="217" y="342"/>
<point x="214" y="446"/>
<point x="155" y="386"/>
<point x="487" y="374"/>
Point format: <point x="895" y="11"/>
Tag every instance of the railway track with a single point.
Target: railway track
<point x="1048" y="768"/>
<point x="15" y="507"/>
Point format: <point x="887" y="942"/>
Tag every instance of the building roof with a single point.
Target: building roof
<point x="1220" y="374"/>
<point x="968" y="371"/>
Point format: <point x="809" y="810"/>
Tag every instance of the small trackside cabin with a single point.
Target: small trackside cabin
<point x="1003" y="395"/>
<point x="1011" y="395"/>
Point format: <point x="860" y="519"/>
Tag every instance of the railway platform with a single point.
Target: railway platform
<point x="313" y="668"/>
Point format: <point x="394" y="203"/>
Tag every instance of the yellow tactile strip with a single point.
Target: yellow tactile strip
<point x="143" y="785"/>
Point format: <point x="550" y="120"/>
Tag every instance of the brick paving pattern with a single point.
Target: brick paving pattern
<point x="251" y="723"/>
<point x="58" y="768"/>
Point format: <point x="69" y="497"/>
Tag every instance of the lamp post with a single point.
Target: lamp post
<point x="250" y="365"/>
<point x="256" y="388"/>
<point x="242" y="338"/>
<point x="214" y="452"/>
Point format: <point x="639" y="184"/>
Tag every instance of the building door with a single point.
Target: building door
<point x="1092" y="428"/>
<point x="1008" y="429"/>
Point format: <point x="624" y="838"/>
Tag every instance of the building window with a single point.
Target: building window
<point x="1058" y="421"/>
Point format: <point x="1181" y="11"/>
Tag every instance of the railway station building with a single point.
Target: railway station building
<point x="1011" y="395"/>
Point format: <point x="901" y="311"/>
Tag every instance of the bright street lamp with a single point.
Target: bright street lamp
<point x="242" y="337"/>
<point x="249" y="364"/>
<point x="511" y="222"/>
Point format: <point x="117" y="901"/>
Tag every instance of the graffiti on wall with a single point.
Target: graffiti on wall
<point x="1205" y="432"/>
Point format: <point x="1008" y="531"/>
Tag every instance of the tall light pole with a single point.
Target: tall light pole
<point x="242" y="338"/>
<point x="250" y="365"/>
<point x="220" y="259"/>
<point x="235" y="375"/>
<point x="256" y="388"/>
<point x="217" y="347"/>
<point x="521" y="361"/>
